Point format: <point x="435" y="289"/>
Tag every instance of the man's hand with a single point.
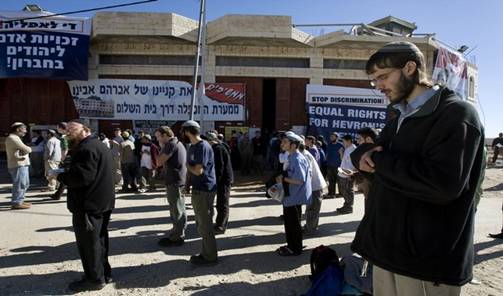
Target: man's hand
<point x="279" y="179"/>
<point x="366" y="163"/>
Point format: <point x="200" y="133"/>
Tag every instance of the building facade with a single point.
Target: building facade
<point x="275" y="59"/>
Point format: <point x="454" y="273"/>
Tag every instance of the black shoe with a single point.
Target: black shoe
<point x="199" y="260"/>
<point x="219" y="230"/>
<point x="85" y="285"/>
<point x="55" y="196"/>
<point x="167" y="242"/>
<point x="328" y="196"/>
<point x="498" y="235"/>
<point x="344" y="210"/>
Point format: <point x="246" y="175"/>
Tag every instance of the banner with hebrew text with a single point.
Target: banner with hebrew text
<point x="157" y="100"/>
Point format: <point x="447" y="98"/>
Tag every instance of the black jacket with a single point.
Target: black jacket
<point x="223" y="165"/>
<point x="420" y="217"/>
<point x="90" y="178"/>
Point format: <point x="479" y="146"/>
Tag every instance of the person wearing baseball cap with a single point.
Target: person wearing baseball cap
<point x="298" y="180"/>
<point x="201" y="168"/>
<point x="418" y="226"/>
<point x="18" y="164"/>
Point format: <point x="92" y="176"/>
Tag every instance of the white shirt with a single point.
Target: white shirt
<point x="346" y="161"/>
<point x="283" y="159"/>
<point x="146" y="158"/>
<point x="317" y="180"/>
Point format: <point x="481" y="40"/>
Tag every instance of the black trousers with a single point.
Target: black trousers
<point x="222" y="206"/>
<point x="91" y="233"/>
<point x="496" y="152"/>
<point x="293" y="229"/>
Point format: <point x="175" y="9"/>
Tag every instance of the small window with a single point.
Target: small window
<point x="262" y="62"/>
<point x="344" y="64"/>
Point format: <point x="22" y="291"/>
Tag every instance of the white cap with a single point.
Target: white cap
<point x="190" y="123"/>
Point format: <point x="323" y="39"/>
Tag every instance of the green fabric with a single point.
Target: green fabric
<point x="202" y="202"/>
<point x="63" y="143"/>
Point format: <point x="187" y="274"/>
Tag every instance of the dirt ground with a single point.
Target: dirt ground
<point x="38" y="255"/>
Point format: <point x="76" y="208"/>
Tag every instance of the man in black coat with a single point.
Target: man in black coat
<point x="225" y="178"/>
<point x="418" y="227"/>
<point x="91" y="198"/>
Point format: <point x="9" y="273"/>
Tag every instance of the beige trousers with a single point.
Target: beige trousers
<point x="386" y="283"/>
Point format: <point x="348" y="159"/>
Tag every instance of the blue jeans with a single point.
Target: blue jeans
<point x="20" y="183"/>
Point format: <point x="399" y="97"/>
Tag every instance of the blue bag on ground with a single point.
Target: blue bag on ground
<point x="327" y="283"/>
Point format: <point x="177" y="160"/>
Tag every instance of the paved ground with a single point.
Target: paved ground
<point x="38" y="255"/>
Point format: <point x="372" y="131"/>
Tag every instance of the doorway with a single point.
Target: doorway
<point x="269" y="105"/>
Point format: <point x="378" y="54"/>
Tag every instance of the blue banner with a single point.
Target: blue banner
<point x="343" y="110"/>
<point x="55" y="48"/>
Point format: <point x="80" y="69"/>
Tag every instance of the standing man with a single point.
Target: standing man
<point x="345" y="176"/>
<point x="318" y="183"/>
<point x="52" y="159"/>
<point x="65" y="157"/>
<point x="418" y="229"/>
<point x="334" y="158"/>
<point x="18" y="163"/>
<point x="312" y="148"/>
<point x="148" y="157"/>
<point x="173" y="157"/>
<point x="497" y="147"/>
<point x="129" y="164"/>
<point x="118" y="136"/>
<point x="298" y="180"/>
<point x="258" y="148"/>
<point x="201" y="167"/>
<point x="91" y="198"/>
<point x="225" y="178"/>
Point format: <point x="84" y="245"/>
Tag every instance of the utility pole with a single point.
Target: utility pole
<point x="202" y="23"/>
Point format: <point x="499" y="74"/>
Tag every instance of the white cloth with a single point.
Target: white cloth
<point x="317" y="180"/>
<point x="106" y="142"/>
<point x="53" y="150"/>
<point x="346" y="161"/>
<point x="283" y="159"/>
<point x="146" y="158"/>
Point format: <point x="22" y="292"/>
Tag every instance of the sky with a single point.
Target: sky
<point x="462" y="22"/>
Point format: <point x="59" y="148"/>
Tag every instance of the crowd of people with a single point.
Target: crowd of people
<point x="426" y="162"/>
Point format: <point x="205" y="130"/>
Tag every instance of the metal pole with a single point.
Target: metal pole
<point x="198" y="54"/>
<point x="203" y="70"/>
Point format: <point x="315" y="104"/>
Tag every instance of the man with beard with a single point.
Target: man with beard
<point x="91" y="198"/>
<point x="201" y="168"/>
<point x="418" y="228"/>
<point x="173" y="157"/>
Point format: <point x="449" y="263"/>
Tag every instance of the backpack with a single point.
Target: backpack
<point x="329" y="282"/>
<point x="322" y="257"/>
